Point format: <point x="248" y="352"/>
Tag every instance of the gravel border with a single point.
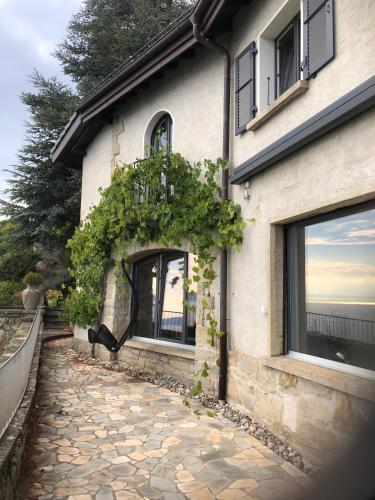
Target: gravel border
<point x="245" y="422"/>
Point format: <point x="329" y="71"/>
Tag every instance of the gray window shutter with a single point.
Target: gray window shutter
<point x="318" y="35"/>
<point x="245" y="87"/>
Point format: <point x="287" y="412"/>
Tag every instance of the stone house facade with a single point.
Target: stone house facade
<point x="300" y="311"/>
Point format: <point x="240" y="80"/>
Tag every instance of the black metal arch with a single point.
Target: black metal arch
<point x="102" y="335"/>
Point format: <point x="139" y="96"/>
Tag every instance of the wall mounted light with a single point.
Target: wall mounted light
<point x="246" y="191"/>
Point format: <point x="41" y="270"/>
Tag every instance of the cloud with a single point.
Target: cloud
<point x="319" y="240"/>
<point x="29" y="32"/>
<point x="337" y="279"/>
<point x="340" y="268"/>
<point x="38" y="29"/>
<point x="336" y="226"/>
<point x="361" y="233"/>
<point x="356" y="229"/>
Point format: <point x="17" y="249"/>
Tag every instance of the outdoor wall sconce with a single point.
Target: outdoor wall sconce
<point x="246" y="191"/>
<point x="102" y="335"/>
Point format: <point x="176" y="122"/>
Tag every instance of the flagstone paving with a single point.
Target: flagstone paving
<point x="106" y="436"/>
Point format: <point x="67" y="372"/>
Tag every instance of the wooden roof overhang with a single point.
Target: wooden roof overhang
<point x="159" y="55"/>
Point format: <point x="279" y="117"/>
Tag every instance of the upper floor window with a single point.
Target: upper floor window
<point x="287" y="56"/>
<point x="331" y="287"/>
<point x="161" y="136"/>
<point x="296" y="43"/>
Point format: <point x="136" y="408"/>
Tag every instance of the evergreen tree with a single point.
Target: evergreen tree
<point x="15" y="260"/>
<point x="43" y="198"/>
<point x="105" y="33"/>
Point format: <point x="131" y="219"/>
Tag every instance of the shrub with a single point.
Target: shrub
<point x="8" y="290"/>
<point x="33" y="279"/>
<point x="55" y="297"/>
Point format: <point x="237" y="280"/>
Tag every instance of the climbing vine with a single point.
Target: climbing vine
<point x="163" y="199"/>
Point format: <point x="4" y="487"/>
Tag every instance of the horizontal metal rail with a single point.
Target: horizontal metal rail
<point x="150" y="43"/>
<point x="356" y="330"/>
<point x="14" y="374"/>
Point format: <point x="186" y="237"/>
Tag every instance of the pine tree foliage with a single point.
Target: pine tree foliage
<point x="43" y="199"/>
<point x="15" y="260"/>
<point x="105" y="33"/>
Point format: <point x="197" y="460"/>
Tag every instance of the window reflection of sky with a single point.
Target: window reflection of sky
<point x="340" y="259"/>
<point x="173" y="288"/>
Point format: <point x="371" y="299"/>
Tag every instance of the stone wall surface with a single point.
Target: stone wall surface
<point x="174" y="365"/>
<point x="318" y="421"/>
<point x="143" y="357"/>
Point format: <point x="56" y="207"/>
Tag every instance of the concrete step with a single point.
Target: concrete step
<point x="52" y="318"/>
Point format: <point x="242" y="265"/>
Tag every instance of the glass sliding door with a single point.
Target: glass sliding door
<point x="159" y="282"/>
<point x="191" y="300"/>
<point x="146" y="275"/>
<point x="172" y="296"/>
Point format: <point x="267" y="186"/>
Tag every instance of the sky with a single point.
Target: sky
<point x="29" y="31"/>
<point x="340" y="259"/>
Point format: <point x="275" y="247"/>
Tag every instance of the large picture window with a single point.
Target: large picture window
<point x="159" y="283"/>
<point x="331" y="287"/>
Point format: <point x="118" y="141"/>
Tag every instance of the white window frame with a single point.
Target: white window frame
<point x="174" y="345"/>
<point x="266" y="67"/>
<point x="333" y="365"/>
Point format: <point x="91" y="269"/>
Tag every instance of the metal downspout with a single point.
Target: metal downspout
<point x="223" y="356"/>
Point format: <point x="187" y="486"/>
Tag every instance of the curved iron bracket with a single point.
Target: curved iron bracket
<point x="102" y="335"/>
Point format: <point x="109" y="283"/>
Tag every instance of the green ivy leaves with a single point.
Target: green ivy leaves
<point x="162" y="199"/>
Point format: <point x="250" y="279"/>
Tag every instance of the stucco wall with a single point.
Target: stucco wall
<point x="96" y="169"/>
<point x="354" y="63"/>
<point x="192" y="95"/>
<point x="334" y="171"/>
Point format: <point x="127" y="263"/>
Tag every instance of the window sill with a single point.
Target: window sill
<point x="294" y="91"/>
<point x="356" y="386"/>
<point x="175" y="350"/>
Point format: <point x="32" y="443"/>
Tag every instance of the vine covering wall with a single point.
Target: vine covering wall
<point x="163" y="199"/>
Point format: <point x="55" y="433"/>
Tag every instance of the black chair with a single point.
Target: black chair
<point x="102" y="335"/>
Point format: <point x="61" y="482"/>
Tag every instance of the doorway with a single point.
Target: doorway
<point x="159" y="282"/>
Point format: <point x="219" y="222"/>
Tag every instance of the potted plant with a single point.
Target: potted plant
<point x="54" y="298"/>
<point x="31" y="294"/>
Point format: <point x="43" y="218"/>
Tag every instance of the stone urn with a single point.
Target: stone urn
<point x="31" y="297"/>
<point x="31" y="294"/>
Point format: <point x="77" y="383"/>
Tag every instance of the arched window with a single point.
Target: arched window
<point x="159" y="282"/>
<point x="161" y="137"/>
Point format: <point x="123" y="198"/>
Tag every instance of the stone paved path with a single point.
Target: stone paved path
<point x="106" y="436"/>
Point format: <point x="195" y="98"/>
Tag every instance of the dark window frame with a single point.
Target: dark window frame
<point x="287" y="292"/>
<point x="161" y="258"/>
<point x="169" y="127"/>
<point x="295" y="25"/>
